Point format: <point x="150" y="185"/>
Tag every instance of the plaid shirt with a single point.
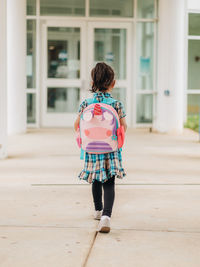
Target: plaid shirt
<point x="101" y="167"/>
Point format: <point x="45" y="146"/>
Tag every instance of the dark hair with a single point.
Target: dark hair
<point x="102" y="76"/>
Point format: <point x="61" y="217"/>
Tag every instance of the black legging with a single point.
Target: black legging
<point x="109" y="195"/>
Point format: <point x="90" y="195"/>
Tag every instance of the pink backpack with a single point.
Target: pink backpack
<point x="99" y="129"/>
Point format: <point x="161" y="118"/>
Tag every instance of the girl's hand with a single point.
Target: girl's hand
<point x="123" y="123"/>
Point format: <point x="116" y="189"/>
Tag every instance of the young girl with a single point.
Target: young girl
<point x="101" y="169"/>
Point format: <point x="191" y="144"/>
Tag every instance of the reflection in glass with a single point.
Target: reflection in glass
<point x="62" y="100"/>
<point x="62" y="8"/>
<point x="145" y="55"/>
<point x="31" y="108"/>
<point x="117" y="8"/>
<point x="110" y="47"/>
<point x="194" y="22"/>
<point x="193" y="104"/>
<point x="146" y="9"/>
<point x="63" y="52"/>
<point x="31" y="54"/>
<point x="193" y="64"/>
<point x="31" y="7"/>
<point x="120" y="94"/>
<point x="144" y="108"/>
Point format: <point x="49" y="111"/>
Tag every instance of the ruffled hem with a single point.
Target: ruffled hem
<point x="102" y="175"/>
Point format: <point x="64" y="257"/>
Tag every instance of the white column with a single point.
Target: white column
<point x="16" y="70"/>
<point x="171" y="66"/>
<point x="3" y="96"/>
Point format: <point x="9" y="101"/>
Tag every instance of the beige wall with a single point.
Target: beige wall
<point x="193" y="4"/>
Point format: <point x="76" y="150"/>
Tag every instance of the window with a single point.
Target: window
<point x="31" y="7"/>
<point x="62" y="8"/>
<point x="194" y="64"/>
<point x="145" y="72"/>
<point x="146" y="9"/>
<point x="31" y="108"/>
<point x="111" y="8"/>
<point x="31" y="54"/>
<point x="145" y="108"/>
<point x="110" y="47"/>
<point x="194" y="22"/>
<point x="193" y="92"/>
<point x="145" y="55"/>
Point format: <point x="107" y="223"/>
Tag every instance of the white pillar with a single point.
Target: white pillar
<point x="171" y="66"/>
<point x="16" y="70"/>
<point x="3" y="97"/>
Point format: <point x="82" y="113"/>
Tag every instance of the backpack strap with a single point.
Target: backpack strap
<point x="91" y="101"/>
<point x="82" y="154"/>
<point x="106" y="100"/>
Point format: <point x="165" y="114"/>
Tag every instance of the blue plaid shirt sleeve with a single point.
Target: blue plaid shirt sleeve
<point x="120" y="109"/>
<point x="82" y="106"/>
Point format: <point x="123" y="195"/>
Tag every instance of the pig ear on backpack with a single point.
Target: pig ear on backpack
<point x="87" y="116"/>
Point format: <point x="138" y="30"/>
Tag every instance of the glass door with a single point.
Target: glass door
<point x="63" y="70"/>
<point x="111" y="43"/>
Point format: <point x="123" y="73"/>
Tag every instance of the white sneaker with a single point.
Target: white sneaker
<point x="97" y="214"/>
<point x="104" y="224"/>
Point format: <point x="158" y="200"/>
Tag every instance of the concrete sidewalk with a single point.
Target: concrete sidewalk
<point x="46" y="212"/>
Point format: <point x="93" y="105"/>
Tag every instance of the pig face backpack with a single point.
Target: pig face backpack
<point x="99" y="129"/>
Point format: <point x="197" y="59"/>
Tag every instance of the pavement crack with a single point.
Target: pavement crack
<point x="172" y="230"/>
<point x="90" y="249"/>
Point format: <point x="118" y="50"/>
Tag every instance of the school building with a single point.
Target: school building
<point x="49" y="47"/>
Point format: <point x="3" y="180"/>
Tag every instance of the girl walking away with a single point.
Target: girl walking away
<point x="103" y="160"/>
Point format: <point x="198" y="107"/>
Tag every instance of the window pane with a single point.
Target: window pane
<point x="194" y="22"/>
<point x="120" y="94"/>
<point x="111" y="8"/>
<point x="193" y="112"/>
<point x="110" y="47"/>
<point x="146" y="9"/>
<point x="31" y="108"/>
<point x="194" y="64"/>
<point x="31" y="54"/>
<point x="145" y="55"/>
<point x="193" y="104"/>
<point x="63" y="52"/>
<point x="62" y="8"/>
<point x="31" y="7"/>
<point x="144" y="108"/>
<point x="62" y="100"/>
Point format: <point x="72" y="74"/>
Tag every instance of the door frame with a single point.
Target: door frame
<point x="129" y="48"/>
<point x="60" y="119"/>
